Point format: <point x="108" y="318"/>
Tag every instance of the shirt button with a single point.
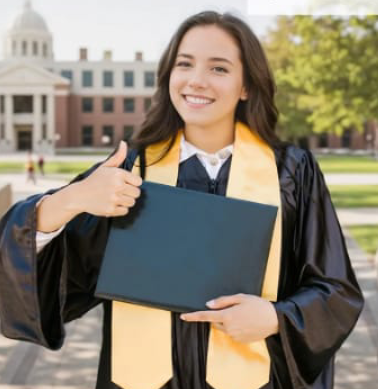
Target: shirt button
<point x="214" y="161"/>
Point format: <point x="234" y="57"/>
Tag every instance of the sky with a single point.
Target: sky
<point x="123" y="26"/>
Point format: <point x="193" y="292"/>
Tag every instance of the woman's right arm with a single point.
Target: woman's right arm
<point x="108" y="191"/>
<point x="41" y="291"/>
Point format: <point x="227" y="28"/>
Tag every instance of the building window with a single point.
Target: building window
<point x="14" y="47"/>
<point x="2" y="104"/>
<point x="44" y="131"/>
<point x="107" y="135"/>
<point x="35" y="48"/>
<point x="128" y="78"/>
<point x="45" y="50"/>
<point x="87" y="78"/>
<point x="128" y="105"/>
<point x="87" y="104"/>
<point x="2" y="131"/>
<point x="127" y="132"/>
<point x="107" y="78"/>
<point x="87" y="135"/>
<point x="147" y="103"/>
<point x="149" y="79"/>
<point x="67" y="74"/>
<point x="24" y="48"/>
<point x="108" y="104"/>
<point x="44" y="104"/>
<point x="22" y="104"/>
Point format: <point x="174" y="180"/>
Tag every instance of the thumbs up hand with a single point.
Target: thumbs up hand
<point x="109" y="190"/>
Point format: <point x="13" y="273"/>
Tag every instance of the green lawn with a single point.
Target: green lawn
<point x="50" y="167"/>
<point x="366" y="237"/>
<point x="347" y="164"/>
<point x="354" y="196"/>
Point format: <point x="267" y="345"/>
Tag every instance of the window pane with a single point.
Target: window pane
<point x="23" y="104"/>
<point x="128" y="105"/>
<point x="147" y="103"/>
<point x="87" y="78"/>
<point x="149" y="79"/>
<point x="24" y="48"/>
<point x="87" y="136"/>
<point x="44" y="104"/>
<point x="67" y="74"/>
<point x="107" y="104"/>
<point x="107" y="78"/>
<point x="107" y="135"/>
<point x="2" y="107"/>
<point x="128" y="78"/>
<point x="127" y="132"/>
<point x="35" y="48"/>
<point x="45" y="50"/>
<point x="87" y="104"/>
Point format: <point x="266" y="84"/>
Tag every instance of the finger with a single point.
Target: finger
<point x="209" y="316"/>
<point x="130" y="191"/>
<point x="132" y="178"/>
<point x="120" y="211"/>
<point x="225" y="301"/>
<point x="126" y="201"/>
<point x="118" y="157"/>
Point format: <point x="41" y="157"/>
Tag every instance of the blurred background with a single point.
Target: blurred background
<point x="77" y="77"/>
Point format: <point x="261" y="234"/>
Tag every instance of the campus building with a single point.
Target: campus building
<point x="47" y="104"/>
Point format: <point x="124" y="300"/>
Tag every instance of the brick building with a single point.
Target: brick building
<point x="47" y="104"/>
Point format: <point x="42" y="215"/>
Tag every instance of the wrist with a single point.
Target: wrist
<point x="74" y="203"/>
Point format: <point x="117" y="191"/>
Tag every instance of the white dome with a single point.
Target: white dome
<point x="28" y="19"/>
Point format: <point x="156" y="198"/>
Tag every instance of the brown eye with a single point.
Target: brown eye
<point x="219" y="69"/>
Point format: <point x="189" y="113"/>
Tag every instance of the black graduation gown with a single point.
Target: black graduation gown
<point x="319" y="299"/>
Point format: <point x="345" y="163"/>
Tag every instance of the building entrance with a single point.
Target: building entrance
<point x="24" y="139"/>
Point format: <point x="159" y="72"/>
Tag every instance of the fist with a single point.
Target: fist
<point x="109" y="190"/>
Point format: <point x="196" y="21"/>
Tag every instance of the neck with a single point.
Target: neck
<point x="210" y="138"/>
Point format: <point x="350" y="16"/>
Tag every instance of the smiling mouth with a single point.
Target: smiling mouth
<point x="199" y="101"/>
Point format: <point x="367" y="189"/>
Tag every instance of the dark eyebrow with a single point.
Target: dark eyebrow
<point x="212" y="59"/>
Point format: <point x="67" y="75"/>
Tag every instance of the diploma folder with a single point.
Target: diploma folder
<point x="176" y="249"/>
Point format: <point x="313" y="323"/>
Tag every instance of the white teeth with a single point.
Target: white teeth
<point x="197" y="100"/>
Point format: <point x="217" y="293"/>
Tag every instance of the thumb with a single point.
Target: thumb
<point x="225" y="301"/>
<point x="118" y="157"/>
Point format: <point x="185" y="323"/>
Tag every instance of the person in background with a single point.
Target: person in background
<point x="30" y="168"/>
<point x="41" y="163"/>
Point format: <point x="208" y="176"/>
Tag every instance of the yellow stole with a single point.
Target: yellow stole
<point x="141" y="336"/>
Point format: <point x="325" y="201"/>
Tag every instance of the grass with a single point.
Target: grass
<point x="50" y="167"/>
<point x="354" y="196"/>
<point x="347" y="164"/>
<point x="366" y="236"/>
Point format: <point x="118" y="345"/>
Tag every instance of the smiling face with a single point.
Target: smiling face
<point x="206" y="81"/>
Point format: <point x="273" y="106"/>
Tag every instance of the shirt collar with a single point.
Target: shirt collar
<point x="187" y="150"/>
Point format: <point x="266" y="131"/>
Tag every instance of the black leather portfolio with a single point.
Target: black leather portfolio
<point x="176" y="249"/>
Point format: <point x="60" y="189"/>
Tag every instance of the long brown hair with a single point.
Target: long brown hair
<point x="258" y="111"/>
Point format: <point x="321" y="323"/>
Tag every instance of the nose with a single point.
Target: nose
<point x="198" y="80"/>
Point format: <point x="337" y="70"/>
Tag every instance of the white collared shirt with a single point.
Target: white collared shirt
<point x="211" y="162"/>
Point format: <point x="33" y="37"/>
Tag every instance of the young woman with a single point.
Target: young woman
<point x="211" y="129"/>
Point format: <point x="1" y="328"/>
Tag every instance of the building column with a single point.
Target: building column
<point x="37" y="122"/>
<point x="9" y="128"/>
<point x="50" y="122"/>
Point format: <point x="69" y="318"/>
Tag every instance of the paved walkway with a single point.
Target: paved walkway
<point x="26" y="366"/>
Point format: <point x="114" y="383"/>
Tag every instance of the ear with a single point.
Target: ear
<point x="244" y="94"/>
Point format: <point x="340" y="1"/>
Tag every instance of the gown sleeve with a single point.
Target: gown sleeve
<point x="40" y="292"/>
<point x="316" y="319"/>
